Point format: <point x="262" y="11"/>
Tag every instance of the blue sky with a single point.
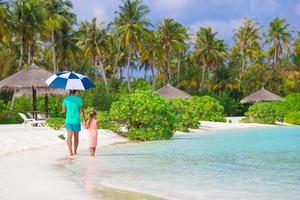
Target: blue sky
<point x="222" y="15"/>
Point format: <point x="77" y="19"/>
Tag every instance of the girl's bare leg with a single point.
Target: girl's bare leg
<point x="91" y="151"/>
<point x="69" y="142"/>
<point x="94" y="151"/>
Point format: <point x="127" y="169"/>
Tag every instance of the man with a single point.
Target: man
<point x="72" y="105"/>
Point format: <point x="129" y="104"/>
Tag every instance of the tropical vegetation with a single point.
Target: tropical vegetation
<point x="131" y="52"/>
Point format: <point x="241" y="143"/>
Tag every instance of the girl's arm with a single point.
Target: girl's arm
<point x="85" y="124"/>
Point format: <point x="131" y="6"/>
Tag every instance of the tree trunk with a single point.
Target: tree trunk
<point x="169" y="68"/>
<point x="22" y="51"/>
<point x="116" y="60"/>
<point x="128" y="70"/>
<point x="178" y="69"/>
<point x="53" y="49"/>
<point x="275" y="59"/>
<point x="203" y="77"/>
<point x="29" y="53"/>
<point x="153" y="79"/>
<point x="13" y="99"/>
<point x="32" y="51"/>
<point x="103" y="72"/>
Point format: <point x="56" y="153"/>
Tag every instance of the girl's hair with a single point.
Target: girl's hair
<point x="92" y="116"/>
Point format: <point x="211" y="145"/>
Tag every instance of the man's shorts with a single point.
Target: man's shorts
<point x="73" y="127"/>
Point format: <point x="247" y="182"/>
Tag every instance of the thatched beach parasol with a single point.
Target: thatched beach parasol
<point x="171" y="92"/>
<point x="261" y="96"/>
<point x="29" y="79"/>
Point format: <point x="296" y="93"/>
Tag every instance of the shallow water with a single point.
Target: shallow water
<point x="262" y="163"/>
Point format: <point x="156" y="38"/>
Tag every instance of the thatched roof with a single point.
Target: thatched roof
<point x="26" y="78"/>
<point x="40" y="92"/>
<point x="171" y="92"/>
<point x="261" y="95"/>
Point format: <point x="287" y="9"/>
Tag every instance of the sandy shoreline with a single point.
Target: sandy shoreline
<point x="27" y="156"/>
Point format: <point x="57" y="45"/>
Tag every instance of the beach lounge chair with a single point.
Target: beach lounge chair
<point x="30" y="121"/>
<point x="41" y="116"/>
<point x="30" y="115"/>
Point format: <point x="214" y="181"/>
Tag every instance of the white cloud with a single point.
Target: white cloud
<point x="225" y="28"/>
<point x="100" y="14"/>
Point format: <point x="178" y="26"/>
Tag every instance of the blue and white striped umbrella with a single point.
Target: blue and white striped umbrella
<point x="70" y="81"/>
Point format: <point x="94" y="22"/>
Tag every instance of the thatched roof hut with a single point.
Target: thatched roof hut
<point x="260" y="96"/>
<point x="30" y="80"/>
<point x="171" y="92"/>
<point x="29" y="77"/>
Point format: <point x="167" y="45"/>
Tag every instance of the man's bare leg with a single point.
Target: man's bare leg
<point x="69" y="141"/>
<point x="76" y="141"/>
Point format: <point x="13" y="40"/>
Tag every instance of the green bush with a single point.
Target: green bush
<point x="266" y="113"/>
<point x="292" y="102"/>
<point x="24" y="105"/>
<point x="106" y="123"/>
<point x="146" y="115"/>
<point x="3" y="110"/>
<point x="7" y="116"/>
<point x="291" y="107"/>
<point x="54" y="106"/>
<point x="208" y="108"/>
<point x="55" y="123"/>
<point x="292" y="117"/>
<point x="186" y="115"/>
<point x="100" y="97"/>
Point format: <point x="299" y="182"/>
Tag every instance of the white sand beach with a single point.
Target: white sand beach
<point x="28" y="155"/>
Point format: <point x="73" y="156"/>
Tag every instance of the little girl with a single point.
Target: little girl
<point x="92" y="126"/>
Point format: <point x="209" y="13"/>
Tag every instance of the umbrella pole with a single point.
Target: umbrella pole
<point x="46" y="105"/>
<point x="34" y="102"/>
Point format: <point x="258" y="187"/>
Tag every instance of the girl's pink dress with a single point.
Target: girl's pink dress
<point x="93" y="134"/>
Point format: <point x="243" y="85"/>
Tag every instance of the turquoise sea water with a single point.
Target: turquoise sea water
<point x="261" y="163"/>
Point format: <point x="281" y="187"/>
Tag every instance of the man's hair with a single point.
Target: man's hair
<point x="73" y="91"/>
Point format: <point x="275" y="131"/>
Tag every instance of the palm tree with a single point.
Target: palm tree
<point x="93" y="41"/>
<point x="296" y="53"/>
<point x="247" y="41"/>
<point x="152" y="55"/>
<point x="66" y="46"/>
<point x="172" y="36"/>
<point x="58" y="13"/>
<point x="27" y="20"/>
<point x="279" y="37"/>
<point x="208" y="51"/>
<point x="131" y="24"/>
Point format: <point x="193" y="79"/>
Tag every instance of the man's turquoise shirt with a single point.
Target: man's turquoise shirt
<point x="73" y="105"/>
